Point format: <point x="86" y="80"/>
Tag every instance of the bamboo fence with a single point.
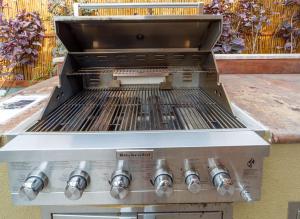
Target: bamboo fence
<point x="266" y="43"/>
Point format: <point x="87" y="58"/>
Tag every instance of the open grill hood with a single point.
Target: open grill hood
<point x="100" y="49"/>
<point x="82" y="34"/>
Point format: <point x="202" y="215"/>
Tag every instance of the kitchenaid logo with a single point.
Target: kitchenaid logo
<point x="251" y="163"/>
<point x="134" y="155"/>
<point x="141" y="154"/>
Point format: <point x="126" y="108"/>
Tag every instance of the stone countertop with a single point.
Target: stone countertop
<point x="274" y="100"/>
<point x="44" y="87"/>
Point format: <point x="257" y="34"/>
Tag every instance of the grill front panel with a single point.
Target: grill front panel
<point x="138" y="108"/>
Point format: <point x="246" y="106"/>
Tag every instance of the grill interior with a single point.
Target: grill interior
<point x="137" y="108"/>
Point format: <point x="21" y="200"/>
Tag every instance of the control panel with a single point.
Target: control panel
<point x="136" y="181"/>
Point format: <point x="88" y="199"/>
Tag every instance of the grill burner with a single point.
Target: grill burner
<point x="138" y="108"/>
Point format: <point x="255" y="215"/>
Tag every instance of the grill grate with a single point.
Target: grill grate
<point x="138" y="108"/>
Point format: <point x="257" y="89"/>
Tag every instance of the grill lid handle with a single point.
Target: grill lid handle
<point x="91" y="6"/>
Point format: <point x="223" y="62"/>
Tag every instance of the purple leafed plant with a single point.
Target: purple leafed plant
<point x="21" y="39"/>
<point x="59" y="8"/>
<point x="62" y="8"/>
<point x="230" y="40"/>
<point x="289" y="29"/>
<point x="253" y="16"/>
<point x="291" y="2"/>
<point x="3" y="4"/>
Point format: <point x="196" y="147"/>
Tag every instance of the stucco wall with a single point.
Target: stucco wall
<point x="280" y="185"/>
<point x="7" y="210"/>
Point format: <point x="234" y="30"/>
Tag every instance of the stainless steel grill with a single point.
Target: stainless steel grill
<point x="138" y="108"/>
<point x="139" y="118"/>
